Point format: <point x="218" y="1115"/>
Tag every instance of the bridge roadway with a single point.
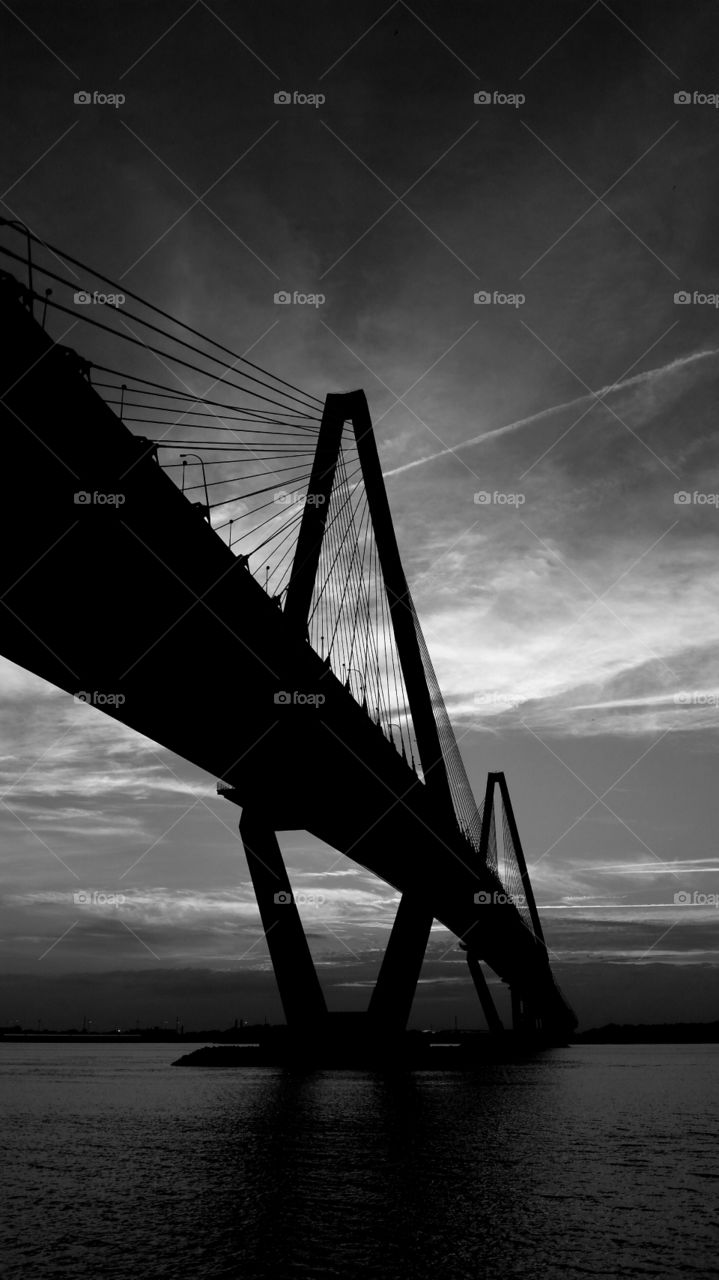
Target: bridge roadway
<point x="145" y="601"/>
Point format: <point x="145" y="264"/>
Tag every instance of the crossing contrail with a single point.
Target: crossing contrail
<point x="636" y="380"/>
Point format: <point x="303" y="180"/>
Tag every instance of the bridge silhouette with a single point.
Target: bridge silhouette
<point x="257" y="623"/>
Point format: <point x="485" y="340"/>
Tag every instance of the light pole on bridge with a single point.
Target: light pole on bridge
<point x="184" y="457"/>
<point x="363" y="686"/>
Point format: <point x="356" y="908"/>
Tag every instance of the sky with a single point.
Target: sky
<point x="550" y="456"/>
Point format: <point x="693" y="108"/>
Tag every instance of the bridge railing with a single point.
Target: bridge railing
<point x="239" y="441"/>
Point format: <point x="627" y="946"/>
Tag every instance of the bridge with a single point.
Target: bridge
<point x="212" y="556"/>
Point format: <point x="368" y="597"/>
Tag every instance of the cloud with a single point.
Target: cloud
<point x="16" y="682"/>
<point x="637" y="380"/>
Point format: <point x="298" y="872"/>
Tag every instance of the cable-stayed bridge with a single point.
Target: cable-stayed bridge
<point x="211" y="556"/>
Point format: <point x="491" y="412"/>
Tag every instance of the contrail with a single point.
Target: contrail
<point x="634" y="381"/>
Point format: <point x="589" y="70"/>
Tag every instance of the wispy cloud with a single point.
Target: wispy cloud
<point x="579" y="402"/>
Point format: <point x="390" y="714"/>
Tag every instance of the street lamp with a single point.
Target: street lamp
<point x="22" y="226"/>
<point x="393" y="724"/>
<point x="380" y="691"/>
<point x="184" y="456"/>
<point x="363" y="686"/>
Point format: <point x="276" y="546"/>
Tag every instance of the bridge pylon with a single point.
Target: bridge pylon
<point x="206" y="651"/>
<point x="391" y="1001"/>
<point x="392" y="997"/>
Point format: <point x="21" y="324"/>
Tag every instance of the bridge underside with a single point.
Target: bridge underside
<point x="145" y="601"/>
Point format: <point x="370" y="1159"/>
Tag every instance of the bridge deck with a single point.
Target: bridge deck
<point x="145" y="601"/>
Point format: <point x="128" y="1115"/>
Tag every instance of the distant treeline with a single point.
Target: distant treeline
<point x="652" y="1033"/>
<point x="231" y="1035"/>
<point x="613" y="1033"/>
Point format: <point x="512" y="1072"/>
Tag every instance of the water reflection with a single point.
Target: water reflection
<point x="593" y="1161"/>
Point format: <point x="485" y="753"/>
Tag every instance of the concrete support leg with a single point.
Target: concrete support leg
<point x="391" y="1001"/>
<point x="492" y="1018"/>
<point x="299" y="987"/>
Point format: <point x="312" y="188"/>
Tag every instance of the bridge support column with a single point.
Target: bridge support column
<point x="391" y="1001"/>
<point x="517" y="1015"/>
<point x="492" y="1018"/>
<point x="300" y="991"/>
<point x="525" y="1018"/>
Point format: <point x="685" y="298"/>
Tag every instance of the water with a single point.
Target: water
<point x="591" y="1161"/>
